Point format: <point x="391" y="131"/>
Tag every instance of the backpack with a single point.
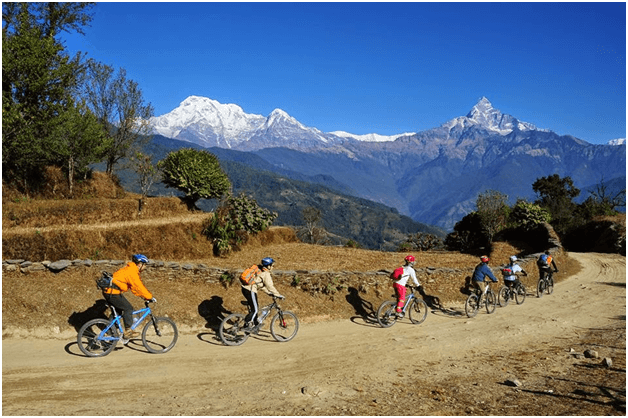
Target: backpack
<point x="396" y="274"/>
<point x="106" y="281"/>
<point x="544" y="260"/>
<point x="248" y="276"/>
<point x="507" y="271"/>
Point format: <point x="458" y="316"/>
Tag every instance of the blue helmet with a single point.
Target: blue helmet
<point x="267" y="261"/>
<point x="139" y="258"/>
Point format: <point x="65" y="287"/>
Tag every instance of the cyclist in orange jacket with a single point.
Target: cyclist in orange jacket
<point x="128" y="278"/>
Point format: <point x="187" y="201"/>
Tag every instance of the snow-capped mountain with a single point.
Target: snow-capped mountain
<point x="618" y="141"/>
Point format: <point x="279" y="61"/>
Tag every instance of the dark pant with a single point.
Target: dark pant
<point x="251" y="298"/>
<point x="512" y="283"/>
<point x="123" y="306"/>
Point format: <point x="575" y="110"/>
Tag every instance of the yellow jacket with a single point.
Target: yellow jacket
<point x="128" y="278"/>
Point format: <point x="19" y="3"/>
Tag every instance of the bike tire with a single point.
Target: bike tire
<point x="89" y="338"/>
<point x="160" y="335"/>
<point x="418" y="311"/>
<point x="549" y="286"/>
<point x="471" y="306"/>
<point x="284" y="326"/>
<point x="231" y="330"/>
<point x="504" y="296"/>
<point x="386" y="313"/>
<point x="520" y="294"/>
<point x="491" y="302"/>
<point x="540" y="288"/>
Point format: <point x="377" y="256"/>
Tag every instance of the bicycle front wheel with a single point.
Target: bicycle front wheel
<point x="491" y="302"/>
<point x="284" y="326"/>
<point x="418" y="311"/>
<point x="471" y="306"/>
<point x="386" y="315"/>
<point x="231" y="330"/>
<point x="520" y="294"/>
<point x="504" y="296"/>
<point x="94" y="341"/>
<point x="549" y="287"/>
<point x="160" y="335"/>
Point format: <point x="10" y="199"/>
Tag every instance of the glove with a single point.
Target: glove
<point x="281" y="297"/>
<point x="153" y="300"/>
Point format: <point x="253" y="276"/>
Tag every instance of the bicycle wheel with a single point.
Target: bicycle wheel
<point x="418" y="311"/>
<point x="231" y="330"/>
<point x="549" y="285"/>
<point x="471" y="305"/>
<point x="386" y="315"/>
<point x="491" y="302"/>
<point x="93" y="342"/>
<point x="284" y="326"/>
<point x="504" y="296"/>
<point x="160" y="335"/>
<point x="520" y="294"/>
<point x="540" y="288"/>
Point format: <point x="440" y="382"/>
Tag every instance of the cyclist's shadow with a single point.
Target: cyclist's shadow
<point x="363" y="309"/>
<point x="213" y="311"/>
<point x="97" y="310"/>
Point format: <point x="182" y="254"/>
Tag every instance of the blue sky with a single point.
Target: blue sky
<point x="383" y="68"/>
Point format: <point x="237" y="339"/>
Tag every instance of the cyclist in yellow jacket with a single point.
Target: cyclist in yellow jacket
<point x="128" y="278"/>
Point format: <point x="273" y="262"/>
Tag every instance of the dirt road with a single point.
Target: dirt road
<point x="448" y="365"/>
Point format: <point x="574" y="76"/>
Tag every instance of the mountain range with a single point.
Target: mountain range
<point x="433" y="176"/>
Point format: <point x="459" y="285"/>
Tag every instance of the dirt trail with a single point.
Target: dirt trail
<point x="332" y="368"/>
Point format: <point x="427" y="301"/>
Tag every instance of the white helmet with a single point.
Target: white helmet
<point x="513" y="258"/>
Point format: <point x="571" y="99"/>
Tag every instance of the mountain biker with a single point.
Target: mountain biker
<point x="545" y="264"/>
<point x="128" y="278"/>
<point x="402" y="274"/>
<point x="510" y="273"/>
<point x="262" y="281"/>
<point x="481" y="271"/>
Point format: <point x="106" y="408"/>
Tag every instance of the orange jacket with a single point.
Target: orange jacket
<point x="128" y="278"/>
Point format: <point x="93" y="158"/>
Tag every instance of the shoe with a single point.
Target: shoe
<point x="129" y="333"/>
<point x="248" y="327"/>
<point x="399" y="315"/>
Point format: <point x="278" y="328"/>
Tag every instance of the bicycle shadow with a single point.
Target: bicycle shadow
<point x="213" y="312"/>
<point x="97" y="310"/>
<point x="364" y="309"/>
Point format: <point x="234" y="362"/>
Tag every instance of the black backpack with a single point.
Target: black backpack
<point x="106" y="281"/>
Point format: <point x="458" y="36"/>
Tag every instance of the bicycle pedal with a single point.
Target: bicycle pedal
<point x="125" y="341"/>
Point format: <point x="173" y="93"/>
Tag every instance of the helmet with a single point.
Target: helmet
<point x="513" y="258"/>
<point x="484" y="259"/>
<point x="409" y="259"/>
<point x="267" y="261"/>
<point x="139" y="258"/>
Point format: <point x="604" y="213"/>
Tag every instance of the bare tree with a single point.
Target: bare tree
<point x="493" y="212"/>
<point x="311" y="231"/>
<point x="147" y="173"/>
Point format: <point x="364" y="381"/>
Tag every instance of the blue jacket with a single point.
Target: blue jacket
<point x="482" y="270"/>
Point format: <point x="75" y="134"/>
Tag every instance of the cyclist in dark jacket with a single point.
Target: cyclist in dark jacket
<point x="481" y="271"/>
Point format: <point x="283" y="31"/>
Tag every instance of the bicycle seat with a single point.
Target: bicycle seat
<point x="245" y="303"/>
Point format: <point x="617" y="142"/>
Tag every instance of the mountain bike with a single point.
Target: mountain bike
<point x="283" y="326"/>
<point x="476" y="300"/>
<point x="507" y="293"/>
<point x="387" y="315"/>
<point x="99" y="337"/>
<point x="545" y="284"/>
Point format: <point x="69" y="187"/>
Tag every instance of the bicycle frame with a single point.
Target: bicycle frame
<point x="408" y="300"/>
<point x="117" y="322"/>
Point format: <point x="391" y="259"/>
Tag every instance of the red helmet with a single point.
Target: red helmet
<point x="484" y="259"/>
<point x="409" y="259"/>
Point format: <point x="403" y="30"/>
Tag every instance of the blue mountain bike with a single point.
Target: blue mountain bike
<point x="387" y="314"/>
<point x="99" y="337"/>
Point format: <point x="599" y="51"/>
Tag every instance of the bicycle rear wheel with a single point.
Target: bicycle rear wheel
<point x="520" y="294"/>
<point x="231" y="330"/>
<point x="284" y="326"/>
<point x="386" y="315"/>
<point x="540" y="288"/>
<point x="504" y="296"/>
<point x="160" y="335"/>
<point x="491" y="302"/>
<point x="549" y="286"/>
<point x="418" y="311"/>
<point x="94" y="341"/>
<point x="471" y="306"/>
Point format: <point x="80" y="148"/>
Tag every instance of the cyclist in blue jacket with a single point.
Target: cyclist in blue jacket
<point x="481" y="271"/>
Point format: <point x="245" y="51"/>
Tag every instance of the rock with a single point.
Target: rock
<point x="607" y="362"/>
<point x="59" y="265"/>
<point x="513" y="382"/>
<point x="591" y="354"/>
